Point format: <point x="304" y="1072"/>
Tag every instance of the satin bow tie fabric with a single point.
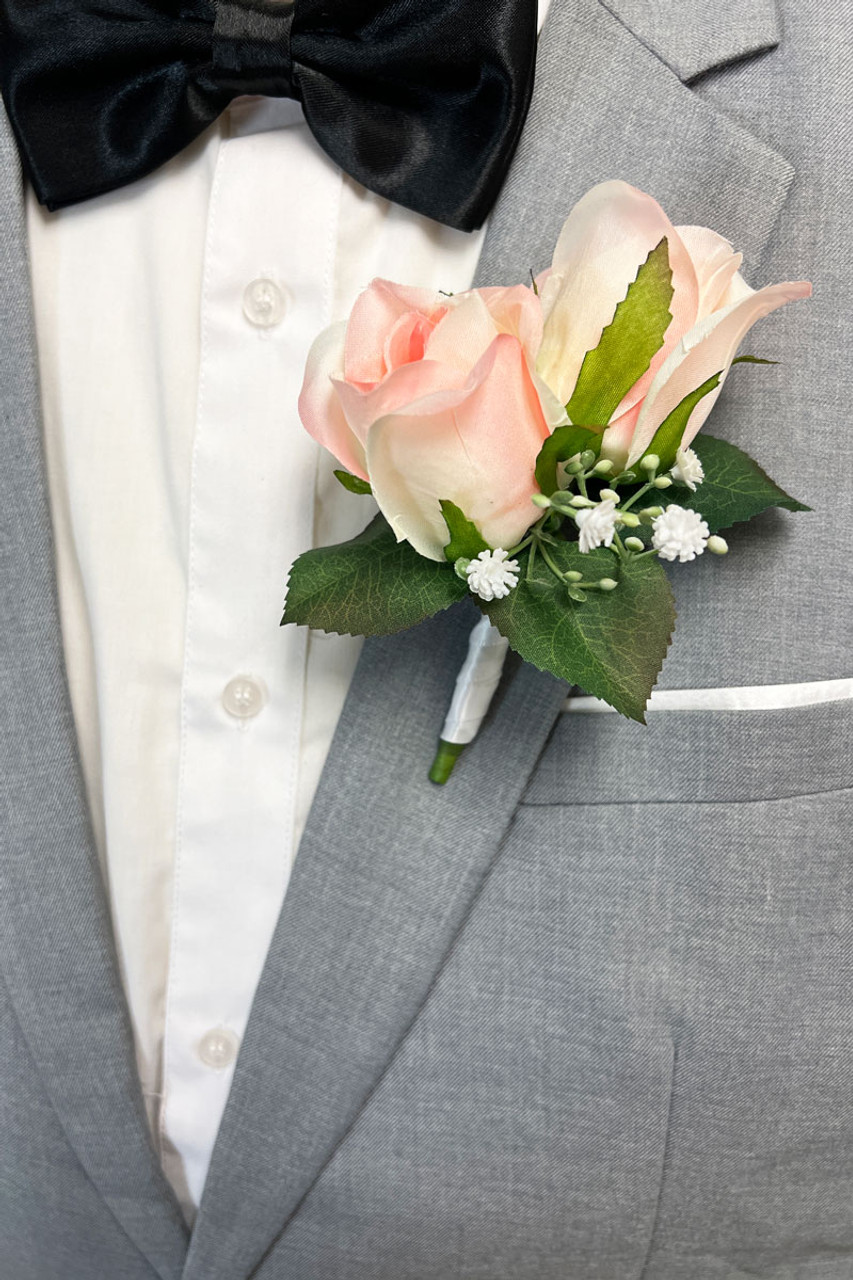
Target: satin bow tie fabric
<point x="421" y="101"/>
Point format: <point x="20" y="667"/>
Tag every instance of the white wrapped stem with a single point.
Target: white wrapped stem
<point x="476" y="683"/>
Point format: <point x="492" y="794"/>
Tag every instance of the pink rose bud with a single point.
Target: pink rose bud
<point x="604" y="241"/>
<point x="430" y="398"/>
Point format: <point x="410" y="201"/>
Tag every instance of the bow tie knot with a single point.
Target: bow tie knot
<point x="422" y="103"/>
<point x="251" y="49"/>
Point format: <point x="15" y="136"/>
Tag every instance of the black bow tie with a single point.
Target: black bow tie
<point x="422" y="101"/>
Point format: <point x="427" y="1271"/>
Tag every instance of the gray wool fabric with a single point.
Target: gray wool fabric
<point x="587" y="1012"/>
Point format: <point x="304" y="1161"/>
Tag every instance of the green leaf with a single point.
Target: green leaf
<point x="628" y="344"/>
<point x="465" y="538"/>
<point x="734" y="489"/>
<point x="370" y="586"/>
<point x="613" y="644"/>
<point x="562" y="444"/>
<point x="752" y="360"/>
<point x="667" y="439"/>
<point x="355" y="484"/>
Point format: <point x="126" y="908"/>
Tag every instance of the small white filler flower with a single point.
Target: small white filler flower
<point x="492" y="576"/>
<point x="679" y="534"/>
<point x="596" y="525"/>
<point x="688" y="469"/>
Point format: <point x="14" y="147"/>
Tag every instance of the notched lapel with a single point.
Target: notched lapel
<point x="606" y="105"/>
<point x="695" y="36"/>
<point x="55" y="939"/>
<point x="385" y="876"/>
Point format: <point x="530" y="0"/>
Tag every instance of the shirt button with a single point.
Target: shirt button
<point x="263" y="303"/>
<point x="218" y="1048"/>
<point x="243" y="697"/>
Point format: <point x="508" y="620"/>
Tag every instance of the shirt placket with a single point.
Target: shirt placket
<point x="267" y="290"/>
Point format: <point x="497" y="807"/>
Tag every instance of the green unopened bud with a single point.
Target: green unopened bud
<point x="562" y="499"/>
<point x="603" y="468"/>
<point x="629" y="520"/>
<point x="578" y="500"/>
<point x="628" y="477"/>
<point x="635" y="544"/>
<point x="575" y="593"/>
<point x="652" y="512"/>
<point x="607" y="584"/>
<point x="574" y="466"/>
<point x="662" y="482"/>
<point x="609" y="495"/>
<point x="650" y="462"/>
<point x="460" y="568"/>
<point x="572" y="575"/>
<point x="540" y="500"/>
<point x="718" y="546"/>
<point x="587" y="458"/>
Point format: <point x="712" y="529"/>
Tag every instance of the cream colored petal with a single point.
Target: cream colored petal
<point x="716" y="264"/>
<point x="606" y="238"/>
<point x="464" y="334"/>
<point x="709" y="348"/>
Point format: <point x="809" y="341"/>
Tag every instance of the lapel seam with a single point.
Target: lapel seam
<point x="70" y="1143"/>
<point x="473" y="899"/>
<point x="663" y="58"/>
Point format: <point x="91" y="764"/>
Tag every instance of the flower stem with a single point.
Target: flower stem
<point x="625" y="506"/>
<point x="620" y="546"/>
<point x="534" y="547"/>
<point x="445" y="758"/>
<point x="555" y="569"/>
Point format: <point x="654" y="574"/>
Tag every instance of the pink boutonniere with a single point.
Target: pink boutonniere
<point x="536" y="447"/>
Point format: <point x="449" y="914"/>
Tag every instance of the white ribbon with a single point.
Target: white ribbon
<point x="476" y="683"/>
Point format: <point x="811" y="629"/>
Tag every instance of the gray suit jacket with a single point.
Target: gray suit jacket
<point x="587" y="1012"/>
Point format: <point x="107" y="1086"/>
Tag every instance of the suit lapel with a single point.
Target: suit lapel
<point x="384" y="878"/>
<point x="55" y="940"/>
<point x="608" y="106"/>
<point x="389" y="864"/>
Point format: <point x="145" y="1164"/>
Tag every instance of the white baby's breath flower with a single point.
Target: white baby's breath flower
<point x="596" y="525"/>
<point x="688" y="469"/>
<point x="679" y="534"/>
<point x="492" y="576"/>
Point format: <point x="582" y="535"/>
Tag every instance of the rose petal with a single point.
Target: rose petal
<point x="407" y="340"/>
<point x="604" y="241"/>
<point x="709" y="348"/>
<point x="463" y="334"/>
<point x="516" y="310"/>
<point x="319" y="406"/>
<point x="476" y="446"/>
<point x="376" y="312"/>
<point x="411" y="382"/>
<point x="616" y="441"/>
<point x="716" y="265"/>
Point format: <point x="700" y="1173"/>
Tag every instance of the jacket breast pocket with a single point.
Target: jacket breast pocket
<point x="721" y="756"/>
<point x="707" y="890"/>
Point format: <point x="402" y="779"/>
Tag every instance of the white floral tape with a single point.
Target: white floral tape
<point x="476" y="683"/>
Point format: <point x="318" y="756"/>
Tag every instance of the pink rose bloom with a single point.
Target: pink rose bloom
<point x="604" y="241"/>
<point x="431" y="397"/>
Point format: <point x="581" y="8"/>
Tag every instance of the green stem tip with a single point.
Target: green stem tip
<point x="445" y="758"/>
